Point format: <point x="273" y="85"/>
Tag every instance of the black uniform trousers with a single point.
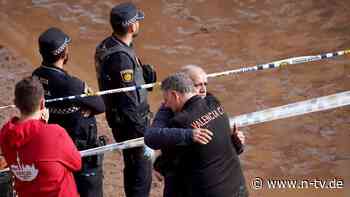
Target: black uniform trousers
<point x="6" y="184"/>
<point x="137" y="168"/>
<point x="90" y="179"/>
<point x="90" y="182"/>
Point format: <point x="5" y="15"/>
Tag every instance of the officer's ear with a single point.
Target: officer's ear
<point x="132" y="27"/>
<point x="42" y="103"/>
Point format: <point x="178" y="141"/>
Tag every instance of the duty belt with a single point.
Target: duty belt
<point x="63" y="111"/>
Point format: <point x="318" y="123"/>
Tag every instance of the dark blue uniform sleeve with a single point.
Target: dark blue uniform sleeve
<point x="94" y="103"/>
<point x="159" y="137"/>
<point x="121" y="63"/>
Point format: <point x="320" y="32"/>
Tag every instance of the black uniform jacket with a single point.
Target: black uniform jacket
<point x="211" y="170"/>
<point x="68" y="114"/>
<point x="125" y="110"/>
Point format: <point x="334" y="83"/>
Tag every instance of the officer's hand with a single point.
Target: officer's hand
<point x="88" y="90"/>
<point x="201" y="136"/>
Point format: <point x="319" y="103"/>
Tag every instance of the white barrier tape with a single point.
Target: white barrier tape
<point x="279" y="63"/>
<point x="285" y="111"/>
<point x="116" y="146"/>
<point x="275" y="64"/>
<point x="294" y="109"/>
<point x="7" y="106"/>
<point x="5" y="170"/>
<point x="126" y="89"/>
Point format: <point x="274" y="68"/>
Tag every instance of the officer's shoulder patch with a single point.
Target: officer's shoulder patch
<point x="127" y="75"/>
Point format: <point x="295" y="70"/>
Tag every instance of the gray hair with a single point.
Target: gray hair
<point x="191" y="67"/>
<point x="193" y="70"/>
<point x="179" y="82"/>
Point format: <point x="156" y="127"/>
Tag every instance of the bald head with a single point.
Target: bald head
<point x="199" y="78"/>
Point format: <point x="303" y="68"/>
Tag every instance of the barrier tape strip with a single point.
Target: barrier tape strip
<point x="112" y="91"/>
<point x="281" y="63"/>
<point x="293" y="109"/>
<point x="110" y="147"/>
<point x="5" y="170"/>
<point x="285" y="111"/>
<point x="7" y="106"/>
<point x="275" y="64"/>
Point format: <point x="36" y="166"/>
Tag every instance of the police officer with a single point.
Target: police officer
<point x="76" y="116"/>
<point x="127" y="113"/>
<point x="203" y="170"/>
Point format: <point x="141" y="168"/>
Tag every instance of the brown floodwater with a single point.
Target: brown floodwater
<point x="222" y="35"/>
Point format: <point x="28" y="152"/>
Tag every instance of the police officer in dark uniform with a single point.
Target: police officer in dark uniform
<point x="207" y="170"/>
<point x="76" y="116"/>
<point x="127" y="113"/>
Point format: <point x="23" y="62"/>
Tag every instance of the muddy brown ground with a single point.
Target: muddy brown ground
<point x="218" y="35"/>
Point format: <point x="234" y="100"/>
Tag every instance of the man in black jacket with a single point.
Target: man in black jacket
<point x="204" y="170"/>
<point x="160" y="136"/>
<point x="127" y="113"/>
<point x="76" y="116"/>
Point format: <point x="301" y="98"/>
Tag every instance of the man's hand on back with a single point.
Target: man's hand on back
<point x="201" y="136"/>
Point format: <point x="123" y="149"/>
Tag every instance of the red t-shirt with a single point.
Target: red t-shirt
<point x="42" y="157"/>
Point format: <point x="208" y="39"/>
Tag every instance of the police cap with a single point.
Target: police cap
<point x="126" y="14"/>
<point x="53" y="41"/>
